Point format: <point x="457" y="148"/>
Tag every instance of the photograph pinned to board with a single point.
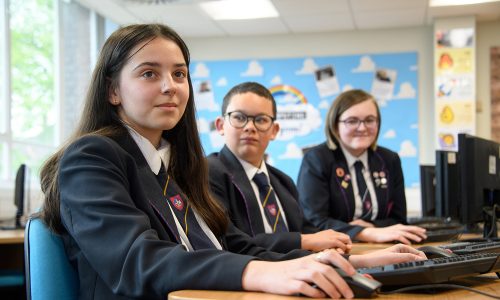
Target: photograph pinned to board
<point x="326" y="82"/>
<point x="455" y="38"/>
<point x="204" y="96"/>
<point x="383" y="83"/>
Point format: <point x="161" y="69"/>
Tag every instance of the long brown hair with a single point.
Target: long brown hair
<point x="187" y="161"/>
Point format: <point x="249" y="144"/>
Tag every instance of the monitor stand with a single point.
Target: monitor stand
<point x="11" y="224"/>
<point x="490" y="221"/>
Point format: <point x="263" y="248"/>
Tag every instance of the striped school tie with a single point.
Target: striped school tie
<point x="269" y="203"/>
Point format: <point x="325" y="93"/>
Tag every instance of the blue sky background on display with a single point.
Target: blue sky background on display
<point x="304" y="89"/>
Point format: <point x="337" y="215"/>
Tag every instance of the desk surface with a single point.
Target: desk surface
<point x="487" y="283"/>
<point x="12" y="236"/>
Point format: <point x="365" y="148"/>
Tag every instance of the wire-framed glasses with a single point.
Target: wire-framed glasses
<point x="353" y="123"/>
<point x="262" y="122"/>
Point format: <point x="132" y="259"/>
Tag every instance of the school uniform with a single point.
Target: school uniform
<point x="119" y="231"/>
<point x="231" y="185"/>
<point x="326" y="193"/>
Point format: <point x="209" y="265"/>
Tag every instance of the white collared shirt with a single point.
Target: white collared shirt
<point x="154" y="157"/>
<point x="250" y="171"/>
<point x="358" y="211"/>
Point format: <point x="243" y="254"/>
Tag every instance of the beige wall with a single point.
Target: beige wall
<point x="488" y="35"/>
<point x="418" y="39"/>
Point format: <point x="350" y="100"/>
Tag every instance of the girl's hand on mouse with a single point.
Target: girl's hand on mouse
<point x="392" y="255"/>
<point x="298" y="276"/>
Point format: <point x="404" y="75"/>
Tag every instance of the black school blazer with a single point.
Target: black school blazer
<point x="327" y="197"/>
<point x="231" y="186"/>
<point x="117" y="236"/>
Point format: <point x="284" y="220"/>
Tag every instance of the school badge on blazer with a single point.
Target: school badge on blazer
<point x="177" y="202"/>
<point x="272" y="209"/>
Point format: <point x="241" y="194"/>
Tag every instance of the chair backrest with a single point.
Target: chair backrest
<point x="49" y="275"/>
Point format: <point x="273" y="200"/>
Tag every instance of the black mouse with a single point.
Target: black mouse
<point x="435" y="252"/>
<point x="361" y="286"/>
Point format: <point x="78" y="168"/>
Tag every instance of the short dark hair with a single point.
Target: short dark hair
<point x="248" y="87"/>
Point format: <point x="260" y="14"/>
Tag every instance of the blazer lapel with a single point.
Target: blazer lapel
<point x="152" y="188"/>
<point x="241" y="182"/>
<point x="343" y="180"/>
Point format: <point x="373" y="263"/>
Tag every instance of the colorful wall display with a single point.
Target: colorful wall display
<point x="495" y="93"/>
<point x="304" y="88"/>
<point x="455" y="106"/>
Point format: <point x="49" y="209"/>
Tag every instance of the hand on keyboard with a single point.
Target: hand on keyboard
<point x="395" y="254"/>
<point x="400" y="233"/>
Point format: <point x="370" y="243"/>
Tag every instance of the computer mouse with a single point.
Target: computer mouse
<point x="436" y="252"/>
<point x="361" y="286"/>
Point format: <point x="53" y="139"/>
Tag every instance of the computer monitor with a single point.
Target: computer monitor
<point x="21" y="194"/>
<point x="428" y="190"/>
<point x="447" y="185"/>
<point x="479" y="161"/>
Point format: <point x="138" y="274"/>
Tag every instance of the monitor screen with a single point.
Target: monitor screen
<point x="20" y="193"/>
<point x="479" y="161"/>
<point x="21" y="198"/>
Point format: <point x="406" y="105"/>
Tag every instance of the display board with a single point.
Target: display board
<point x="304" y="88"/>
<point x="454" y="81"/>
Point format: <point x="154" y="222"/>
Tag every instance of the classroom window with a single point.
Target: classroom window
<point x="47" y="52"/>
<point x="32" y="94"/>
<point x="32" y="76"/>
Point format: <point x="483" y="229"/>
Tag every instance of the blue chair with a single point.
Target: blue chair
<point x="49" y="275"/>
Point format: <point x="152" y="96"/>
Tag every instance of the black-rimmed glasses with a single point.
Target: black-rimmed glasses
<point x="353" y="123"/>
<point x="262" y="122"/>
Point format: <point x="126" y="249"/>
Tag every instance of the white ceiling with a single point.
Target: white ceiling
<point x="296" y="16"/>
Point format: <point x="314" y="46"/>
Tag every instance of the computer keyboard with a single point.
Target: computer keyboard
<point x="438" y="229"/>
<point x="429" y="219"/>
<point x="435" y="270"/>
<point x="442" y="235"/>
<point x="435" y="223"/>
<point x="473" y="247"/>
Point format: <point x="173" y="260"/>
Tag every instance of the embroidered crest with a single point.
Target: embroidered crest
<point x="177" y="202"/>
<point x="340" y="172"/>
<point x="272" y="209"/>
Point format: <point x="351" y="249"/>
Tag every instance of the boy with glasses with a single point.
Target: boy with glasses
<point x="262" y="201"/>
